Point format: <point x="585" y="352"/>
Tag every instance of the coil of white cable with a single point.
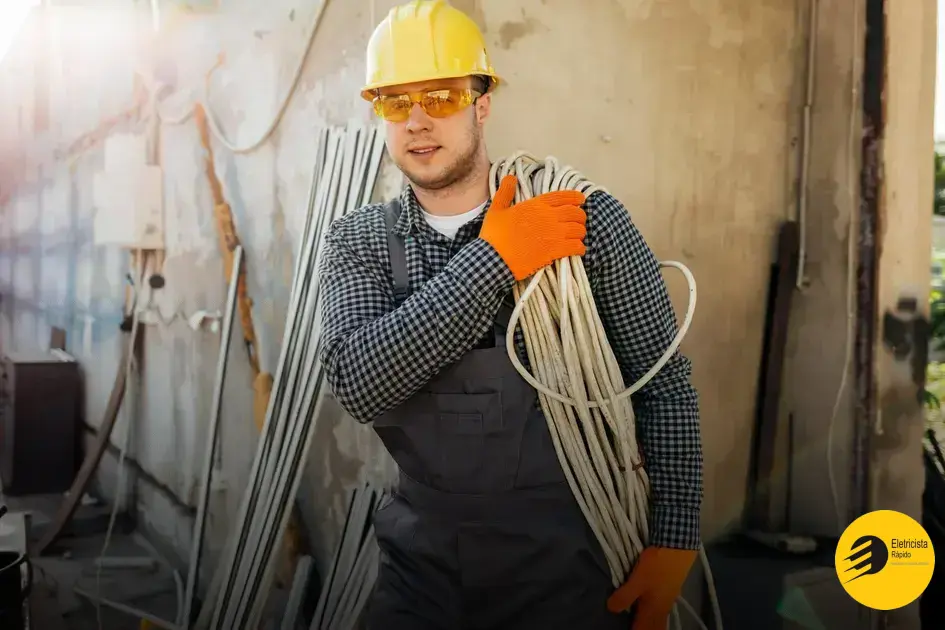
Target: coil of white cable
<point x="581" y="389"/>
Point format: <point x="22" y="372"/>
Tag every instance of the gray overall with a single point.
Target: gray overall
<point x="483" y="532"/>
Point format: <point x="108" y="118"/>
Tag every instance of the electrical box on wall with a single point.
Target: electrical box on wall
<point x="128" y="196"/>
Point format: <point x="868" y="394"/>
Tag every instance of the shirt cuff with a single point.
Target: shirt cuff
<point x="675" y="527"/>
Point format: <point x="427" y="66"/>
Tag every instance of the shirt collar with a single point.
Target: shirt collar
<point x="411" y="219"/>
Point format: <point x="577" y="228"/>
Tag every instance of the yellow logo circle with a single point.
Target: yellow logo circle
<point x="885" y="560"/>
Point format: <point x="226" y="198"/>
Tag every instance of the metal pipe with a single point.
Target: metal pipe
<point x="803" y="191"/>
<point x="210" y="615"/>
<point x="288" y="475"/>
<point x="329" y="577"/>
<point x="344" y="605"/>
<point x="288" y="487"/>
<point x="300" y="375"/>
<point x="377" y="154"/>
<point x="302" y="356"/>
<point x="272" y="457"/>
<point x="303" y="573"/>
<point x="193" y="573"/>
<point x="351" y="159"/>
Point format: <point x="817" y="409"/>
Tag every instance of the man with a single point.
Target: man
<point x="483" y="531"/>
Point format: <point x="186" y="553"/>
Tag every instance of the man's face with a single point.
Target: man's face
<point x="435" y="153"/>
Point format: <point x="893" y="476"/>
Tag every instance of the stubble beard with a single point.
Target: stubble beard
<point x="458" y="171"/>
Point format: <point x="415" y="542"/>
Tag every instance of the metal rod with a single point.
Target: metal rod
<point x="273" y="462"/>
<point x="350" y="589"/>
<point x="303" y="573"/>
<point x="332" y="571"/>
<point x="289" y="473"/>
<point x="369" y="580"/>
<point x="355" y="581"/>
<point x="360" y="582"/>
<point x="803" y="192"/>
<point x="306" y="433"/>
<point x="196" y="547"/>
<point x="301" y="375"/>
<point x="259" y="526"/>
<point x="303" y="358"/>
<point x="349" y="555"/>
<point x="376" y="158"/>
<point x="350" y="166"/>
<point x="238" y="536"/>
<point x="362" y="155"/>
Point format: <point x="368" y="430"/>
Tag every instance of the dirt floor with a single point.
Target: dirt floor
<point x="68" y="574"/>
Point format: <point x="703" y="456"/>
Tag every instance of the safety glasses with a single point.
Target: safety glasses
<point x="436" y="103"/>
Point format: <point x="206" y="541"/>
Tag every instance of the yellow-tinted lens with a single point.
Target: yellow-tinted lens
<point x="443" y="103"/>
<point x="436" y="103"/>
<point x="393" y="108"/>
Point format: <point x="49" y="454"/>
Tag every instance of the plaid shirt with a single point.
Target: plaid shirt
<point x="376" y="356"/>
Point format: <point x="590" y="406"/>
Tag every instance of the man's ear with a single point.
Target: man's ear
<point x="483" y="107"/>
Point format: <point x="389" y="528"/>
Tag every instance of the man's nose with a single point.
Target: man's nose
<point x="418" y="119"/>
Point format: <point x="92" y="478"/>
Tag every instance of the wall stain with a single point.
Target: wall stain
<point x="511" y="32"/>
<point x="895" y="465"/>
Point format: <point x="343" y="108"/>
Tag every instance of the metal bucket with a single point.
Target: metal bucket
<point x="13" y="590"/>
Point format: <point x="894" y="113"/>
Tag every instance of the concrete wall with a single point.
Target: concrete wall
<point x="902" y="240"/>
<point x="690" y="112"/>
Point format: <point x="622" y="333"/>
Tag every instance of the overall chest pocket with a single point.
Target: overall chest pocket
<point x="459" y="443"/>
<point x="469" y="431"/>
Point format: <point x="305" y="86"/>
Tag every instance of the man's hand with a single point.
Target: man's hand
<point x="654" y="585"/>
<point x="536" y="232"/>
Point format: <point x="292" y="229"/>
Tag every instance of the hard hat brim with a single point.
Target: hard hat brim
<point x="368" y="91"/>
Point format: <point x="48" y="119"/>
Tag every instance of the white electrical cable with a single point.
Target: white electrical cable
<point x="129" y="412"/>
<point x="581" y="388"/>
<point x="212" y="122"/>
<point x="850" y="289"/>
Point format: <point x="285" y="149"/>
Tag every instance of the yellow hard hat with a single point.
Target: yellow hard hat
<point x="425" y="40"/>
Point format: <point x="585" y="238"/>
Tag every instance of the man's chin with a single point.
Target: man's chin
<point x="428" y="181"/>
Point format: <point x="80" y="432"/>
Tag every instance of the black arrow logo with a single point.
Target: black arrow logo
<point x="873" y="556"/>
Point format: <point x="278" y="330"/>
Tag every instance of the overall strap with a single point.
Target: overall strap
<point x="397" y="250"/>
<point x="501" y="325"/>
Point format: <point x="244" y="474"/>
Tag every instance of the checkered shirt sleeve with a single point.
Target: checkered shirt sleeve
<point x="376" y="357"/>
<point x="638" y="317"/>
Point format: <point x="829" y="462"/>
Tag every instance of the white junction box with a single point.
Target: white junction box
<point x="128" y="196"/>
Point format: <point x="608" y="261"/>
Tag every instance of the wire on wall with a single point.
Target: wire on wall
<point x="214" y="123"/>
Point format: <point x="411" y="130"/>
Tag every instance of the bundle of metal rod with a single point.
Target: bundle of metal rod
<point x="304" y="573"/>
<point x="353" y="569"/>
<point x="345" y="174"/>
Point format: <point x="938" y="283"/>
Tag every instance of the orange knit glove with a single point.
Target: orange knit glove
<point x="536" y="232"/>
<point x="654" y="585"/>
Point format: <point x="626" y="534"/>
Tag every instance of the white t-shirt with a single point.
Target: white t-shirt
<point x="449" y="226"/>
